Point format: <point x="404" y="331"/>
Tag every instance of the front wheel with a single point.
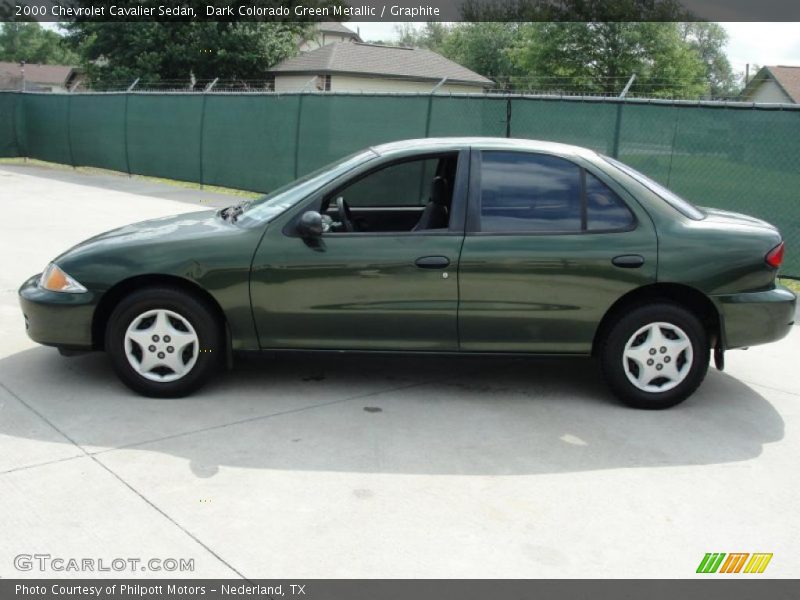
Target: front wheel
<point x="163" y="342"/>
<point x="655" y="356"/>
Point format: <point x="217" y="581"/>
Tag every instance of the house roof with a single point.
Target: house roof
<point x="49" y="74"/>
<point x="336" y="27"/>
<point x="357" y="58"/>
<point x="787" y="78"/>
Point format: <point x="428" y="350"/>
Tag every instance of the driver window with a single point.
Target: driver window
<point x="405" y="196"/>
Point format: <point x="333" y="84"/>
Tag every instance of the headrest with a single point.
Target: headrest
<point x="439" y="191"/>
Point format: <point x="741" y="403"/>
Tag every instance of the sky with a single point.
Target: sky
<point x="754" y="43"/>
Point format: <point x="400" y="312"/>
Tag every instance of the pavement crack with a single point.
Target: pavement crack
<point x="119" y="478"/>
<point x="768" y="387"/>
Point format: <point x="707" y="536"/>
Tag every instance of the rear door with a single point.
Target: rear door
<point x="551" y="244"/>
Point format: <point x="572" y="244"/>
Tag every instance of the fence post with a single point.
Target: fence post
<point x="125" y="132"/>
<point x="14" y="117"/>
<point x="508" y="117"/>
<point x="22" y="138"/>
<point x="297" y="136"/>
<point x="69" y="130"/>
<point x="674" y="140"/>
<point x="428" y="117"/>
<point x="617" y="130"/>
<point x="202" y="136"/>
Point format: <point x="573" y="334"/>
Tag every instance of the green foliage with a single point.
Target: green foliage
<point x="30" y="43"/>
<point x="601" y="57"/>
<point x="708" y="41"/>
<point x="432" y="36"/>
<point x="670" y="59"/>
<point x="574" y="10"/>
<point x="486" y="48"/>
<point x="117" y="53"/>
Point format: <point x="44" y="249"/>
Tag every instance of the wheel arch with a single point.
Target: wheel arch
<point x="690" y="298"/>
<point x="116" y="293"/>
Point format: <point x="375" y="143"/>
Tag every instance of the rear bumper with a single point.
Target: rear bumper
<point x="757" y="317"/>
<point x="57" y="318"/>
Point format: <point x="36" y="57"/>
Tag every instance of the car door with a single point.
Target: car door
<point x="382" y="287"/>
<point x="551" y="244"/>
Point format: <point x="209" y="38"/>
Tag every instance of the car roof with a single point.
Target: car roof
<point x="483" y="143"/>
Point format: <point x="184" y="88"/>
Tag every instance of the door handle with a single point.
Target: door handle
<point x="628" y="261"/>
<point x="432" y="262"/>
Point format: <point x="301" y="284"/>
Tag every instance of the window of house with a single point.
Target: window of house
<point x="324" y="83"/>
<point x="525" y="192"/>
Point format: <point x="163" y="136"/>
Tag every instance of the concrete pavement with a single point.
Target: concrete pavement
<point x="305" y="466"/>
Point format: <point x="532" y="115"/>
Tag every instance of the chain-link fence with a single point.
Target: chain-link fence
<point x="741" y="157"/>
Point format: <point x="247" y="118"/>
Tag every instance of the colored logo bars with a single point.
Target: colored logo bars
<point x="716" y="562"/>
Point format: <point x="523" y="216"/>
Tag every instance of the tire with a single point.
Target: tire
<point x="186" y="350"/>
<point x="655" y="356"/>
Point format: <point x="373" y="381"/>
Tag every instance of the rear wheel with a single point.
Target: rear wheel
<point x="655" y="356"/>
<point x="163" y="342"/>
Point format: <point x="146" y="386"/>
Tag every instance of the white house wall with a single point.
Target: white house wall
<point x="349" y="83"/>
<point x="294" y="83"/>
<point x="768" y="91"/>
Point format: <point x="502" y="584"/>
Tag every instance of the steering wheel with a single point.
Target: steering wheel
<point x="344" y="214"/>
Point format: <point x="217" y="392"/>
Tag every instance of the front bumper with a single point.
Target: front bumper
<point x="755" y="318"/>
<point x="57" y="318"/>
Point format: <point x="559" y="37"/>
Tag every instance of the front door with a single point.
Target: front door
<point x="549" y="248"/>
<point x="384" y="276"/>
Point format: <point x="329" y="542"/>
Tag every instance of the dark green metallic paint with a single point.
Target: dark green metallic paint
<point x="502" y="293"/>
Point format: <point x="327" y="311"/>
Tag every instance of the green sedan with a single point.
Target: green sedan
<point x="442" y="246"/>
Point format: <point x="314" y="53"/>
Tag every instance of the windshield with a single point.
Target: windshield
<point x="268" y="207"/>
<point x="684" y="207"/>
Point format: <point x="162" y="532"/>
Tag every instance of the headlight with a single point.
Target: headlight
<point x="55" y="280"/>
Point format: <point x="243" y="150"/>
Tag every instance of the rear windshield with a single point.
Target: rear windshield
<point x="684" y="207"/>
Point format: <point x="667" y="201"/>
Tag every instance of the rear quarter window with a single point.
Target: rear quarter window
<point x="686" y="208"/>
<point x="605" y="210"/>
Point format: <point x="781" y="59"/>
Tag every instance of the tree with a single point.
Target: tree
<point x="431" y="36"/>
<point x="485" y="48"/>
<point x="601" y="57"/>
<point x="708" y="40"/>
<point x="585" y="11"/>
<point x="116" y="53"/>
<point x="30" y="43"/>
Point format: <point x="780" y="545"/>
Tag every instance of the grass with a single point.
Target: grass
<point x="792" y="284"/>
<point x="96" y="171"/>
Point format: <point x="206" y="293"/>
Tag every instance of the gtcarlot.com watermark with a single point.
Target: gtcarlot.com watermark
<point x="63" y="564"/>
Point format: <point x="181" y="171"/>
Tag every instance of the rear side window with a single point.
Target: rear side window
<point x="539" y="193"/>
<point x="523" y="192"/>
<point x="605" y="210"/>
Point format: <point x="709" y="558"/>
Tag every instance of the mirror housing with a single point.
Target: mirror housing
<point x="310" y="224"/>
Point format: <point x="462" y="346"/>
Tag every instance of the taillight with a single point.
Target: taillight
<point x="774" y="257"/>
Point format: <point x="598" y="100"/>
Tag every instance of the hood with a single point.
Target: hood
<point x="162" y="230"/>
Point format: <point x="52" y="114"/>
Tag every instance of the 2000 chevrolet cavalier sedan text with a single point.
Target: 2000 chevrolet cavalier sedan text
<point x="438" y="245"/>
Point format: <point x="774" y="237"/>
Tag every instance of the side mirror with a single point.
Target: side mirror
<point x="310" y="224"/>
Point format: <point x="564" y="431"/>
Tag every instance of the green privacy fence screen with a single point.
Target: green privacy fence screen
<point x="736" y="157"/>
